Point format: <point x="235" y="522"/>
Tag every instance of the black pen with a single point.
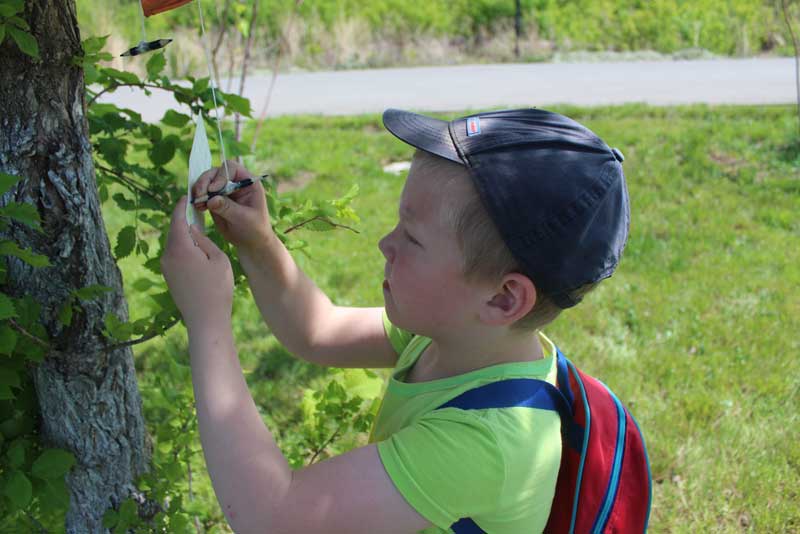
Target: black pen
<point x="229" y="188"/>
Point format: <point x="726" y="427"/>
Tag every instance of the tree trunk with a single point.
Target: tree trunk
<point x="89" y="398"/>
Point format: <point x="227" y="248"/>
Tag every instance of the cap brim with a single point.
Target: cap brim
<point x="425" y="133"/>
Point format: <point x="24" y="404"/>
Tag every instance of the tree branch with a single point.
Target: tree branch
<point x="143" y="338"/>
<point x="245" y="61"/>
<point x="118" y="85"/>
<point x="130" y="183"/>
<point x="324" y="445"/>
<point x="319" y="218"/>
<point x="263" y="115"/>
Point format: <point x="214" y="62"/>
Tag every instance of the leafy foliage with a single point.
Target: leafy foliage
<point x="148" y="162"/>
<point x="14" y="27"/>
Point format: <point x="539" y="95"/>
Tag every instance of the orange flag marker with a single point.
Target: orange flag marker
<point x="152" y="7"/>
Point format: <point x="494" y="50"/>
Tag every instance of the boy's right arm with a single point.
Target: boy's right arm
<point x="305" y="320"/>
<point x="300" y="315"/>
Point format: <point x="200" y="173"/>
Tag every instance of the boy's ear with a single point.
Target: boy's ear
<point x="512" y="301"/>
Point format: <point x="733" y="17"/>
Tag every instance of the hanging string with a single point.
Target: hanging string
<point x="213" y="92"/>
<point x="141" y="17"/>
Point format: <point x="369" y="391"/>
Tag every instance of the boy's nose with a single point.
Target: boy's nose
<point x="385" y="247"/>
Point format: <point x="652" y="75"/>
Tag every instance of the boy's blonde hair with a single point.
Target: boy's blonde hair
<point x="486" y="256"/>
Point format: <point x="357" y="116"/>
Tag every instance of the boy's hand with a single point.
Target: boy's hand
<point x="198" y="274"/>
<point x="242" y="218"/>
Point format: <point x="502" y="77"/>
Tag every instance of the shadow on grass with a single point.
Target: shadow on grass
<point x="790" y="152"/>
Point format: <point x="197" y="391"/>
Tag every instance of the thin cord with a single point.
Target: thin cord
<point x="213" y="92"/>
<point x="141" y="17"/>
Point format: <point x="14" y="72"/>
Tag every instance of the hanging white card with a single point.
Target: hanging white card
<point x="199" y="162"/>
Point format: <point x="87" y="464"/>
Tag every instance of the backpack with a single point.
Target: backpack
<point x="604" y="484"/>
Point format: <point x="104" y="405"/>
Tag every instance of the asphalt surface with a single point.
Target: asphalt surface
<point x="719" y="81"/>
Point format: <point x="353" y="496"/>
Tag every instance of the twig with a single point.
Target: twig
<point x="245" y="61"/>
<point x="319" y="218"/>
<point x="30" y="336"/>
<point x="41" y="342"/>
<point x="36" y="522"/>
<point x="231" y="67"/>
<point x="129" y="182"/>
<point x="796" y="58"/>
<point x="263" y="115"/>
<point x="118" y="85"/>
<point x="222" y="32"/>
<point x="141" y="339"/>
<point x="324" y="445"/>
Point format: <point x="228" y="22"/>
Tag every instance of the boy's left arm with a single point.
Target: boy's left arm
<point x="255" y="487"/>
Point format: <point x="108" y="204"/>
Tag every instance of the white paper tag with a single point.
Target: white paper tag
<point x="199" y="162"/>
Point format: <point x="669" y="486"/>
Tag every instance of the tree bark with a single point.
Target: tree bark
<point x="89" y="397"/>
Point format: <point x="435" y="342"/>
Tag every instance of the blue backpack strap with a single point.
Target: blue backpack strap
<point x="510" y="393"/>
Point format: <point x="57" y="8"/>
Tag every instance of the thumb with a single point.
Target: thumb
<point x="225" y="208"/>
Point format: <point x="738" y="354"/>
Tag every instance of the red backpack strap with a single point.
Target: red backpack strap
<point x="606" y="485"/>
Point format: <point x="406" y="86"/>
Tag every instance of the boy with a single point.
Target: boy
<point x="506" y="218"/>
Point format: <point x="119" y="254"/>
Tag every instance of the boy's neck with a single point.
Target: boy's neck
<point x="455" y="356"/>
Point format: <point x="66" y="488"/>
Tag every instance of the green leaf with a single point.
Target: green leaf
<point x="65" y="314"/>
<point x="113" y="150"/>
<point x="91" y="292"/>
<point x="9" y="377"/>
<point x="127" y="512"/>
<point x="142" y="247"/>
<point x="110" y="518"/>
<point x="8" y="339"/>
<point x="163" y="151"/>
<point x="115" y="329"/>
<point x="124" y="203"/>
<point x="7" y="308"/>
<point x="90" y="74"/>
<point x="54" y="495"/>
<point x="19" y="489"/>
<point x="155" y="65"/>
<point x="9" y="8"/>
<point x="121" y="76"/>
<point x="24" y="40"/>
<point x="93" y="45"/>
<point x="6" y="393"/>
<point x="200" y="86"/>
<point x="319" y="225"/>
<point x="173" y="118"/>
<point x="7" y="181"/>
<point x="126" y="239"/>
<point x="9" y="248"/>
<point x="20" y="23"/>
<point x="22" y="212"/>
<point x="142" y="284"/>
<point x="16" y="453"/>
<point x="53" y="463"/>
<point x="237" y="103"/>
<point x="2" y="31"/>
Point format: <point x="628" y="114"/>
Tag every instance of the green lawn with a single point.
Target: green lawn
<point x="697" y="331"/>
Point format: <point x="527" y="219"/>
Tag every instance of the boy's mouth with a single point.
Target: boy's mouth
<point x="386" y="286"/>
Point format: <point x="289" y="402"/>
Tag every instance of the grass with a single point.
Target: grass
<point x="696" y="332"/>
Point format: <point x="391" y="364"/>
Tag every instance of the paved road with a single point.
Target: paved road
<point x="722" y="81"/>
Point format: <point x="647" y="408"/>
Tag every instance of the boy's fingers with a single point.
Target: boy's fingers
<point x="227" y="209"/>
<point x="204" y="243"/>
<point x="178" y="223"/>
<point x="201" y="185"/>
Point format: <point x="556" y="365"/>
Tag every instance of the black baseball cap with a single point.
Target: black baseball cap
<point x="554" y="189"/>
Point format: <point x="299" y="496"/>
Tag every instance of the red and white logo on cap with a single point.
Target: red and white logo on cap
<point x="473" y="126"/>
